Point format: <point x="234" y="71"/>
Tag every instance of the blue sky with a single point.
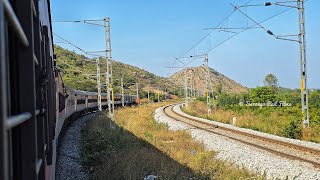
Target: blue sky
<point x="149" y="34"/>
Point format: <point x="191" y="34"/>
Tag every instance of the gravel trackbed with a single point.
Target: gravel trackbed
<point x="68" y="153"/>
<point x="242" y="155"/>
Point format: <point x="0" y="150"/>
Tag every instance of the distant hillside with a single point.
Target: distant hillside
<point x="196" y="76"/>
<point x="80" y="74"/>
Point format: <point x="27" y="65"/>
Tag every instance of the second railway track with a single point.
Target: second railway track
<point x="280" y="148"/>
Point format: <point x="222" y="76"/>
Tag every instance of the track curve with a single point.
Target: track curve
<point x="280" y="148"/>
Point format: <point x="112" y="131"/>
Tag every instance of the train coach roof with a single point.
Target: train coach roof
<point x="85" y="93"/>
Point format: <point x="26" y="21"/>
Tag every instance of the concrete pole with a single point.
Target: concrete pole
<point x="122" y="93"/>
<point x="186" y="88"/>
<point x="303" y="64"/>
<point x="191" y="90"/>
<point x="159" y="94"/>
<point x="108" y="63"/>
<point x="98" y="84"/>
<point x="138" y="93"/>
<point x="206" y="60"/>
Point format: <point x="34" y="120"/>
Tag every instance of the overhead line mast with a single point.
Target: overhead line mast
<point x="99" y="85"/>
<point x="301" y="39"/>
<point x="109" y="67"/>
<point x="206" y="61"/>
<point x="303" y="63"/>
<point x="207" y="93"/>
<point x="108" y="56"/>
<point x="186" y="87"/>
<point x="122" y="93"/>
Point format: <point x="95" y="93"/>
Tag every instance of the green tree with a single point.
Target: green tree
<point x="219" y="88"/>
<point x="271" y="81"/>
<point x="314" y="98"/>
<point x="228" y="101"/>
<point x="262" y="94"/>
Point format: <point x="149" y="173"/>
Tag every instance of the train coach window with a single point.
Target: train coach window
<point x="62" y="102"/>
<point x="81" y="101"/>
<point x="72" y="101"/>
<point x="92" y="100"/>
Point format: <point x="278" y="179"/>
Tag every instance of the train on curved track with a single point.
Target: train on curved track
<point x="34" y="102"/>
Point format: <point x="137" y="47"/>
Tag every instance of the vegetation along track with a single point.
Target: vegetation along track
<point x="280" y="148"/>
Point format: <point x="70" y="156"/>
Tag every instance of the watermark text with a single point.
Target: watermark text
<point x="265" y="104"/>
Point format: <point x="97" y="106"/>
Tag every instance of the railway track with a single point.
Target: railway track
<point x="280" y="148"/>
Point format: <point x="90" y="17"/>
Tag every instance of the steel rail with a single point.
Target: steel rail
<point x="282" y="154"/>
<point x="283" y="143"/>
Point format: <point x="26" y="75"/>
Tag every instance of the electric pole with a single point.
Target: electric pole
<point x="166" y="93"/>
<point x="138" y="100"/>
<point x="206" y="62"/>
<point x="99" y="85"/>
<point x="109" y="67"/>
<point x="191" y="91"/>
<point x="158" y="94"/>
<point x="194" y="89"/>
<point x="301" y="39"/>
<point x="303" y="63"/>
<point x="122" y="93"/>
<point x="186" y="87"/>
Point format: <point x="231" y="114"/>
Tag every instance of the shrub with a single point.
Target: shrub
<point x="293" y="130"/>
<point x="262" y="94"/>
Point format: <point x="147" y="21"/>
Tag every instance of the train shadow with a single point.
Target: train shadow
<point x="111" y="152"/>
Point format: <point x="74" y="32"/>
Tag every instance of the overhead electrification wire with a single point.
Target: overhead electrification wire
<point x="278" y="14"/>
<point x="257" y="23"/>
<point x="70" y="43"/>
<point x="68" y="21"/>
<point x="76" y="69"/>
<point x="224" y="20"/>
<point x="237" y="28"/>
<point x="82" y="50"/>
<point x="76" y="21"/>
<point x="86" y="52"/>
<point x="278" y="3"/>
<point x="91" y="22"/>
<point x="208" y="34"/>
<point x="95" y="55"/>
<point x="251" y="27"/>
<point x="269" y="4"/>
<point x="58" y="42"/>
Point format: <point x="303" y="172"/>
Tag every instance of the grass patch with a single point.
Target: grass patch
<point x="275" y="122"/>
<point x="137" y="146"/>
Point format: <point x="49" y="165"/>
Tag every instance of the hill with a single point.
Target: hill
<point x="197" y="77"/>
<point x="78" y="73"/>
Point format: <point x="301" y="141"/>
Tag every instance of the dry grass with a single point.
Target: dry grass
<point x="139" y="146"/>
<point x="312" y="134"/>
<point x="273" y="123"/>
